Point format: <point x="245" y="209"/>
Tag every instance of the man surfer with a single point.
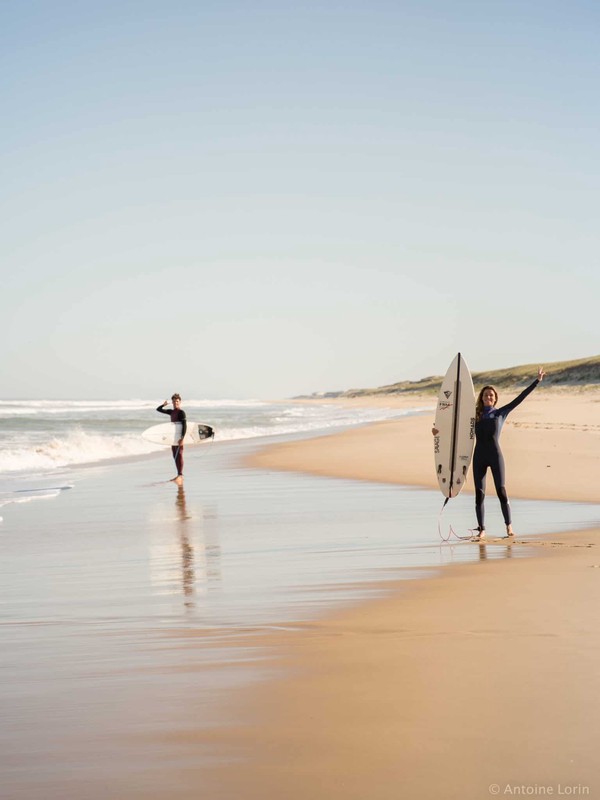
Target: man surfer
<point x="177" y="414"/>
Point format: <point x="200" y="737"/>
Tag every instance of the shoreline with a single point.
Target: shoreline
<point x="175" y="609"/>
<point x="473" y="682"/>
<point x="553" y="433"/>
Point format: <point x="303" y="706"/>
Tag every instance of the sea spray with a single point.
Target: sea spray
<point x="41" y="436"/>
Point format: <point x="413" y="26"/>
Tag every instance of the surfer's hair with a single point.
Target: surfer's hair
<point x="175" y="396"/>
<point x="479" y="404"/>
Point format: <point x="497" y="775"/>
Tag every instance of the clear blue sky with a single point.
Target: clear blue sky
<point x="258" y="199"/>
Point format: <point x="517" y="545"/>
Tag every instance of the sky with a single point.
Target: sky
<point x="263" y="199"/>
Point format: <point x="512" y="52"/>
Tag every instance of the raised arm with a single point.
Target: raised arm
<point x="505" y="410"/>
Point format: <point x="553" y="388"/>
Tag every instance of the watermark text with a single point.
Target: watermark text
<point x="539" y="790"/>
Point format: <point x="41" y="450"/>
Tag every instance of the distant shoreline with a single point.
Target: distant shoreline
<point x="551" y="444"/>
<point x="581" y="374"/>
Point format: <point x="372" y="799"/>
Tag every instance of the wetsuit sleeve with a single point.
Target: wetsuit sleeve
<point x="163" y="410"/>
<point x="183" y="420"/>
<point x="505" y="410"/>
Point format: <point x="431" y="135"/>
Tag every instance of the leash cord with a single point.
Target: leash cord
<point x="451" y="531"/>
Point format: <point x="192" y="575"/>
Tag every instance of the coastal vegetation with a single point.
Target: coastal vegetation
<point x="581" y="373"/>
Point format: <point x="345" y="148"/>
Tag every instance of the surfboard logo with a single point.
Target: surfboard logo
<point x="447" y="395"/>
<point x="444" y="406"/>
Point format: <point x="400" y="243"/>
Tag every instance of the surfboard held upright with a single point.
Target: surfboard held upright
<point x="455" y="423"/>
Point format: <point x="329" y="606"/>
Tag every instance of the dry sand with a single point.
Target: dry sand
<point x="481" y="682"/>
<point x="551" y="443"/>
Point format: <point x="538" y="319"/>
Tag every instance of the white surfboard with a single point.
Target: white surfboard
<point x="169" y="433"/>
<point x="455" y="423"/>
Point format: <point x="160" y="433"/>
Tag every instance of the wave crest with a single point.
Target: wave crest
<point x="77" y="447"/>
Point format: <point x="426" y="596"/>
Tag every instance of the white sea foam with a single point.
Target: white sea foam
<point x="18" y="408"/>
<point x="40" y="436"/>
<point x="12" y="408"/>
<point x="292" y="424"/>
<point x="20" y="496"/>
<point x="76" y="447"/>
<point x="27" y="498"/>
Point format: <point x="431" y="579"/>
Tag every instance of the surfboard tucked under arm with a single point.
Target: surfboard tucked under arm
<point x="455" y="423"/>
<point x="169" y="433"/>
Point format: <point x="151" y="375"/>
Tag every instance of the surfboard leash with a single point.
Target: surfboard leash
<point x="451" y="531"/>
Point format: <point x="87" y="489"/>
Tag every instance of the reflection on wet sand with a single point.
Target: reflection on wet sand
<point x="486" y="549"/>
<point x="186" y="559"/>
<point x="187" y="550"/>
<point x="498" y="552"/>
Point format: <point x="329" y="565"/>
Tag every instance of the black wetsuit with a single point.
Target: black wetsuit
<point x="177" y="415"/>
<point x="488" y="454"/>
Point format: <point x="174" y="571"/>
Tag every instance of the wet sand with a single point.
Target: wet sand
<point x="481" y="681"/>
<point x="133" y="612"/>
<point x="256" y="636"/>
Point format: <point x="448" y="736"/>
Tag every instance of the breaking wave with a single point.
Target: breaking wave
<point x="77" y="447"/>
<point x="39" y="436"/>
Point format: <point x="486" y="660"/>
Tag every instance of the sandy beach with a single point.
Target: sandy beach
<point x="551" y="443"/>
<point x="290" y="624"/>
<point x="479" y="682"/>
<point x="472" y="684"/>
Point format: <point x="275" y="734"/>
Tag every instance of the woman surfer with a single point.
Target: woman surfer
<point x="488" y="455"/>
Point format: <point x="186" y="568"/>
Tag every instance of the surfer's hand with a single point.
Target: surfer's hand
<point x="434" y="431"/>
<point x="180" y="443"/>
<point x="541" y="374"/>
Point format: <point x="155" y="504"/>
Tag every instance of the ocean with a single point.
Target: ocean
<point x="40" y="439"/>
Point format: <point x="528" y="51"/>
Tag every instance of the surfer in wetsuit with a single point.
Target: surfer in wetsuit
<point x="177" y="414"/>
<point x="488" y="426"/>
<point x="488" y="455"/>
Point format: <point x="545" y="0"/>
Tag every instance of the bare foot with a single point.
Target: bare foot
<point x="509" y="530"/>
